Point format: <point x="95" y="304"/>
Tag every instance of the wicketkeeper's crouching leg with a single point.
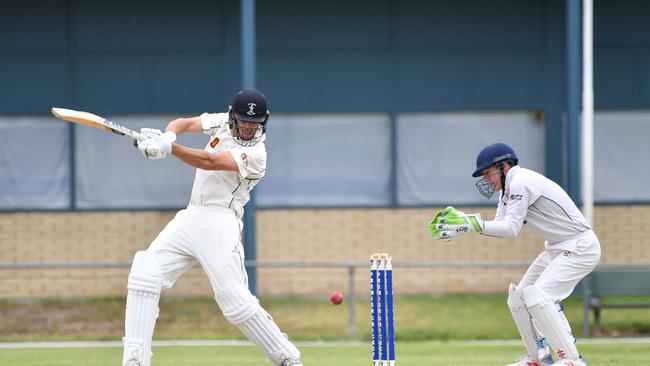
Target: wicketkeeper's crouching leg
<point x="144" y="288"/>
<point x="243" y="309"/>
<point x="535" y="343"/>
<point x="551" y="321"/>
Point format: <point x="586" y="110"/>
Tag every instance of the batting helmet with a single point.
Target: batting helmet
<point x="492" y="155"/>
<point x="250" y="105"/>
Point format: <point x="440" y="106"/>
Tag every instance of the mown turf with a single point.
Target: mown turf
<point x="408" y="353"/>
<point x="417" y="318"/>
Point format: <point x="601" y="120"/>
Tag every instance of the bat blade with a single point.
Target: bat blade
<point x="95" y="121"/>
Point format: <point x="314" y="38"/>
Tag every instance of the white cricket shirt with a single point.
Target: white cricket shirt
<point x="227" y="188"/>
<point x="539" y="202"/>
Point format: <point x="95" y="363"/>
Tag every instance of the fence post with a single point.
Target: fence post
<point x="351" y="303"/>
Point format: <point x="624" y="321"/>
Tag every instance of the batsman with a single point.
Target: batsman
<point x="571" y="251"/>
<point x="208" y="231"/>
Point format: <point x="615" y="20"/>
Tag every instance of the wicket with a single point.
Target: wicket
<point x="381" y="302"/>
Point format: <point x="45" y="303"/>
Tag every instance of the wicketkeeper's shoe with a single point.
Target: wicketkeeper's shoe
<point x="526" y="360"/>
<point x="291" y="362"/>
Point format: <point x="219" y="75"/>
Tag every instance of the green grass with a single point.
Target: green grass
<point x="408" y="353"/>
<point x="417" y="318"/>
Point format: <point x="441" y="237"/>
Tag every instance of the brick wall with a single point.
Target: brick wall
<point x="289" y="235"/>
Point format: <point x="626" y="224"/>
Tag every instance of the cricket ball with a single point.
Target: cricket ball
<point x="336" y="298"/>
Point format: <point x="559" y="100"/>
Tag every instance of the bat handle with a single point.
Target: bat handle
<point x="138" y="136"/>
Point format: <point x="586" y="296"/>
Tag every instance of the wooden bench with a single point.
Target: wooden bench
<point x="632" y="281"/>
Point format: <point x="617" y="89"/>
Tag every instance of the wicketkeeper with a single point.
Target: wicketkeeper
<point x="571" y="252"/>
<point x="208" y="231"/>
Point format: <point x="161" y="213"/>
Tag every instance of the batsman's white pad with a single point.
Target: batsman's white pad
<point x="523" y="321"/>
<point x="243" y="309"/>
<point x="144" y="288"/>
<point x="549" y="321"/>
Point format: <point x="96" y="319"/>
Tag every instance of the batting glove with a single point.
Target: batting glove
<point x="150" y="132"/>
<point x="151" y="149"/>
<point x="147" y="133"/>
<point x="158" y="147"/>
<point x="450" y="223"/>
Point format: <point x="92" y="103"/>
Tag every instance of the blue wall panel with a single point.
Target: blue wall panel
<point x="118" y="57"/>
<point x="33" y="25"/>
<point x="182" y="81"/>
<point x="288" y="80"/>
<point x="31" y="84"/>
<point x="621" y="22"/>
<point x="617" y="81"/>
<point x="622" y="40"/>
<point x="519" y="76"/>
<point x="313" y="55"/>
<point x="342" y="81"/>
<point x="644" y="76"/>
<point x="140" y="26"/>
<point x="469" y="24"/>
<point x="433" y="79"/>
<point x="354" y="80"/>
<point x="107" y="83"/>
<point x="334" y="24"/>
<point x="361" y="55"/>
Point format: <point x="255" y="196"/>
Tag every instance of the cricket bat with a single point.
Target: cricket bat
<point x="96" y="121"/>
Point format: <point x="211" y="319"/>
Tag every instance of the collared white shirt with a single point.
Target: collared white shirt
<point x="542" y="204"/>
<point x="227" y="188"/>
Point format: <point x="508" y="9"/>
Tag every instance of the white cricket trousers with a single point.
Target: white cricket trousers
<point x="207" y="235"/>
<point x="557" y="272"/>
<point x="211" y="237"/>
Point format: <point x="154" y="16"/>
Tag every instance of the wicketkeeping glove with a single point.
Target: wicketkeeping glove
<point x="450" y="222"/>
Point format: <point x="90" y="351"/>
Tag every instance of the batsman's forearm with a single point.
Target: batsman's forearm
<point x="204" y="160"/>
<point x="181" y="125"/>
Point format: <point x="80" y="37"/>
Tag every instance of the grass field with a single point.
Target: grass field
<point x="417" y="318"/>
<point x="454" y="353"/>
<point x="446" y="330"/>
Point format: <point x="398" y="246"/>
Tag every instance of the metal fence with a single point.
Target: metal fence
<point x="351" y="267"/>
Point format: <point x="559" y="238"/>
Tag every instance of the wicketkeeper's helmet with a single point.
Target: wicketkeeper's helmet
<point x="493" y="154"/>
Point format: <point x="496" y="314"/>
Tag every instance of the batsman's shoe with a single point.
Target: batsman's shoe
<point x="291" y="362"/>
<point x="133" y="355"/>
<point x="526" y="360"/>
<point x="567" y="362"/>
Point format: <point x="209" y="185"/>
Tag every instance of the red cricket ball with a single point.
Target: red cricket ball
<point x="336" y="298"/>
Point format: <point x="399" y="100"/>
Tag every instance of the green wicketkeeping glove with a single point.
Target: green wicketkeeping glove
<point x="433" y="225"/>
<point x="450" y="223"/>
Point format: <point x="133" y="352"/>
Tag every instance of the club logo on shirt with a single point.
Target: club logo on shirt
<point x="214" y="142"/>
<point x="515" y="197"/>
<point x="251" y="109"/>
<point x="244" y="159"/>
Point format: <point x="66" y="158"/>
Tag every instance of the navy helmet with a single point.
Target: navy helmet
<point x="492" y="155"/>
<point x="250" y="105"/>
